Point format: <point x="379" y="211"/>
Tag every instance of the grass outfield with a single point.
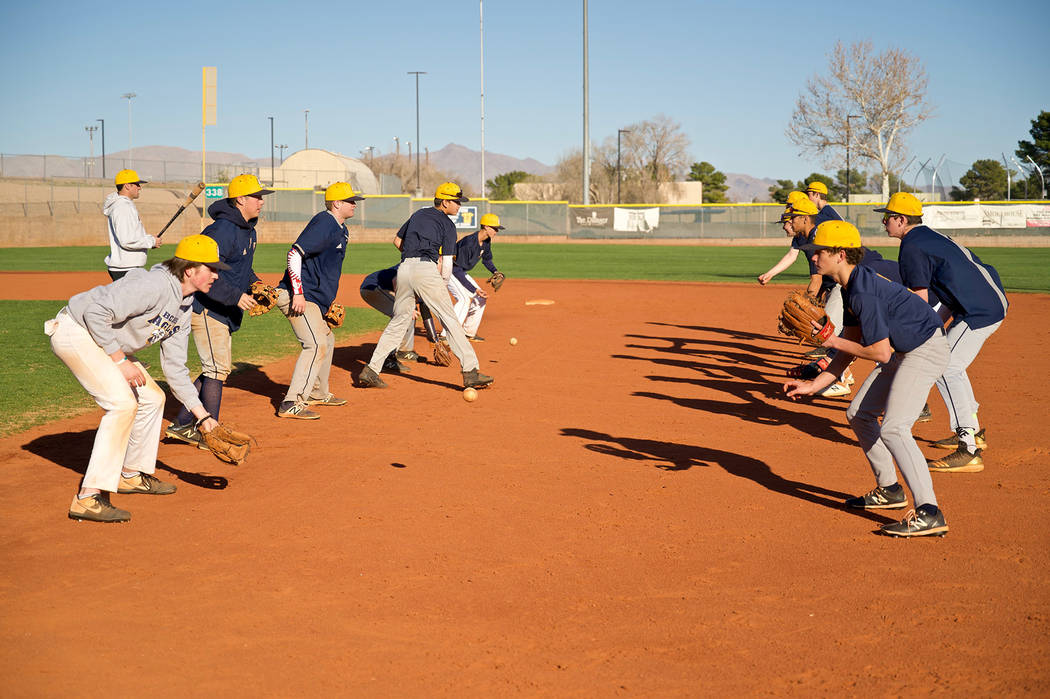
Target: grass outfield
<point x="35" y="387"/>
<point x="1022" y="269"/>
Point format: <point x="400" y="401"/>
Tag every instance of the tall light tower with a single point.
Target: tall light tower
<point x="619" y="132"/>
<point x="272" y="175"/>
<point x="306" y="132"/>
<point x="417" y="73"/>
<point x="281" y="147"/>
<point x="129" y="96"/>
<point x="103" y="122"/>
<point x="91" y="144"/>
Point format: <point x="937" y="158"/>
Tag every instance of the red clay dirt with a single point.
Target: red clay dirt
<point x="629" y="510"/>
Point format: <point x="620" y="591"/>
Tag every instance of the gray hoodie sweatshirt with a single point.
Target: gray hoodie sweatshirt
<point x="128" y="240"/>
<point x="141" y="309"/>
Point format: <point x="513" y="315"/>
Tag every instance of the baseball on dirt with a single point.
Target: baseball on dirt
<point x="513" y="340"/>
<point x="470" y="395"/>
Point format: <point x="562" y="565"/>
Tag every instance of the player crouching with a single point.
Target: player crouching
<point x="96" y="336"/>
<point x="886" y="323"/>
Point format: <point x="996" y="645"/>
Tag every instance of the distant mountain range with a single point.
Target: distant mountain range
<point x="174" y="163"/>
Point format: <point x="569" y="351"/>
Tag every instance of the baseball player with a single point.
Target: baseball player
<point x="427" y="241"/>
<point x="972" y="293"/>
<point x="378" y="290"/>
<point x="306" y="292"/>
<point x="96" y="336"/>
<point x="886" y="323"/>
<point x="817" y="192"/>
<point x="470" y="297"/>
<point x="217" y="313"/>
<point x="797" y="241"/>
<point x="128" y="241"/>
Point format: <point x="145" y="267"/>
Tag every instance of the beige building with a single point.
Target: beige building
<point x="315" y="167"/>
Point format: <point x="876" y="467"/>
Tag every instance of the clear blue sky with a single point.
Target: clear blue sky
<point x="728" y="72"/>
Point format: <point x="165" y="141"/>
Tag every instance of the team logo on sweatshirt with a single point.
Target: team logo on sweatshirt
<point x="165" y="325"/>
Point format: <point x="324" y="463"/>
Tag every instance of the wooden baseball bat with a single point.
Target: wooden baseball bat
<point x="189" y="200"/>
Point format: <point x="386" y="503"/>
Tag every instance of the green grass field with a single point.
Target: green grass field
<point x="35" y="387"/>
<point x="1022" y="269"/>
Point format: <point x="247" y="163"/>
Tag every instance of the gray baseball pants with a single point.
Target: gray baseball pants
<point x="954" y="385"/>
<point x="312" y="368"/>
<point x="416" y="276"/>
<point x="896" y="391"/>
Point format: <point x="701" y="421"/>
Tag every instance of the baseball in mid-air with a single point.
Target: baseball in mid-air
<point x="513" y="340"/>
<point x="470" y="395"/>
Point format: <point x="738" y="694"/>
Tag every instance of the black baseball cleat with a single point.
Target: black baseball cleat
<point x="369" y="379"/>
<point x="475" y="379"/>
<point x="959" y="461"/>
<point x="925" y="520"/>
<point x="953" y="441"/>
<point x="880" y="499"/>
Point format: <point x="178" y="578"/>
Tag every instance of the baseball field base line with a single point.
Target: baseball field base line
<point x="539" y="302"/>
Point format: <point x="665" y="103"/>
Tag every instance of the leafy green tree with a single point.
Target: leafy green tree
<point x="779" y="192"/>
<point x="1038" y="149"/>
<point x="985" y="180"/>
<point x="501" y="187"/>
<point x="714" y="181"/>
<point x="858" y="184"/>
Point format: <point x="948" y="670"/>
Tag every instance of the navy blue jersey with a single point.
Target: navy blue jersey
<point x="427" y="234"/>
<point x="886" y="268"/>
<point x="381" y="279"/>
<point x="827" y="214"/>
<point x="798" y="240"/>
<point x="323" y="246"/>
<point x="470" y="250"/>
<point x="885" y="309"/>
<point x="971" y="289"/>
<point x="236" y="240"/>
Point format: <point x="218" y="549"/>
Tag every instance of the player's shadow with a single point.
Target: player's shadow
<point x="354" y="358"/>
<point x="671" y="456"/>
<point x="244" y="377"/>
<point x="72" y="450"/>
<point x="711" y="348"/>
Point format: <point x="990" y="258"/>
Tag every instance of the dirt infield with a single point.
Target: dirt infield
<point x="629" y="510"/>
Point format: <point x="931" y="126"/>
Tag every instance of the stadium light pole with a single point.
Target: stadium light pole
<point x="417" y="73"/>
<point x="273" y="176"/>
<point x="851" y="116"/>
<point x="91" y="144"/>
<point x="306" y="131"/>
<point x="1040" y="171"/>
<point x="397" y="148"/>
<point x="618" y="134"/>
<point x="103" y="122"/>
<point x="586" y="118"/>
<point x="281" y="147"/>
<point x="129" y="96"/>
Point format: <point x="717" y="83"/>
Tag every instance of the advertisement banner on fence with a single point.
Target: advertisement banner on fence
<point x="636" y="220"/>
<point x="987" y="216"/>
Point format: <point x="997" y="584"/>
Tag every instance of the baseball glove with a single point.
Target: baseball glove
<point x="797" y="316"/>
<point x="334" y="316"/>
<point x="227" y="444"/>
<point x="265" y="298"/>
<point x="496" y="280"/>
<point x="442" y="353"/>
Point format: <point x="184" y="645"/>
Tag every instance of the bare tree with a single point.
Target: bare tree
<point x="886" y="90"/>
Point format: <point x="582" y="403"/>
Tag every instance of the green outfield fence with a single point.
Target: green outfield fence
<point x="605" y="222"/>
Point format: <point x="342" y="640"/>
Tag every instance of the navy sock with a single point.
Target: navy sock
<point x="185" y="417"/>
<point x="211" y="395"/>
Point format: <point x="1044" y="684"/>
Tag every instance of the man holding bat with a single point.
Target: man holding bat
<point x="128" y="240"/>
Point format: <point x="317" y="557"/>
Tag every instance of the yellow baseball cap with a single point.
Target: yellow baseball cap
<point x="492" y="221"/>
<point x="200" y="248"/>
<point x="833" y="234"/>
<point x="127" y="177"/>
<point x="450" y="191"/>
<point x="786" y="216"/>
<point x="796" y="196"/>
<point x="245" y="186"/>
<point x="804" y="207"/>
<point x="817" y="186"/>
<point x="341" y="191"/>
<point x="902" y="204"/>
